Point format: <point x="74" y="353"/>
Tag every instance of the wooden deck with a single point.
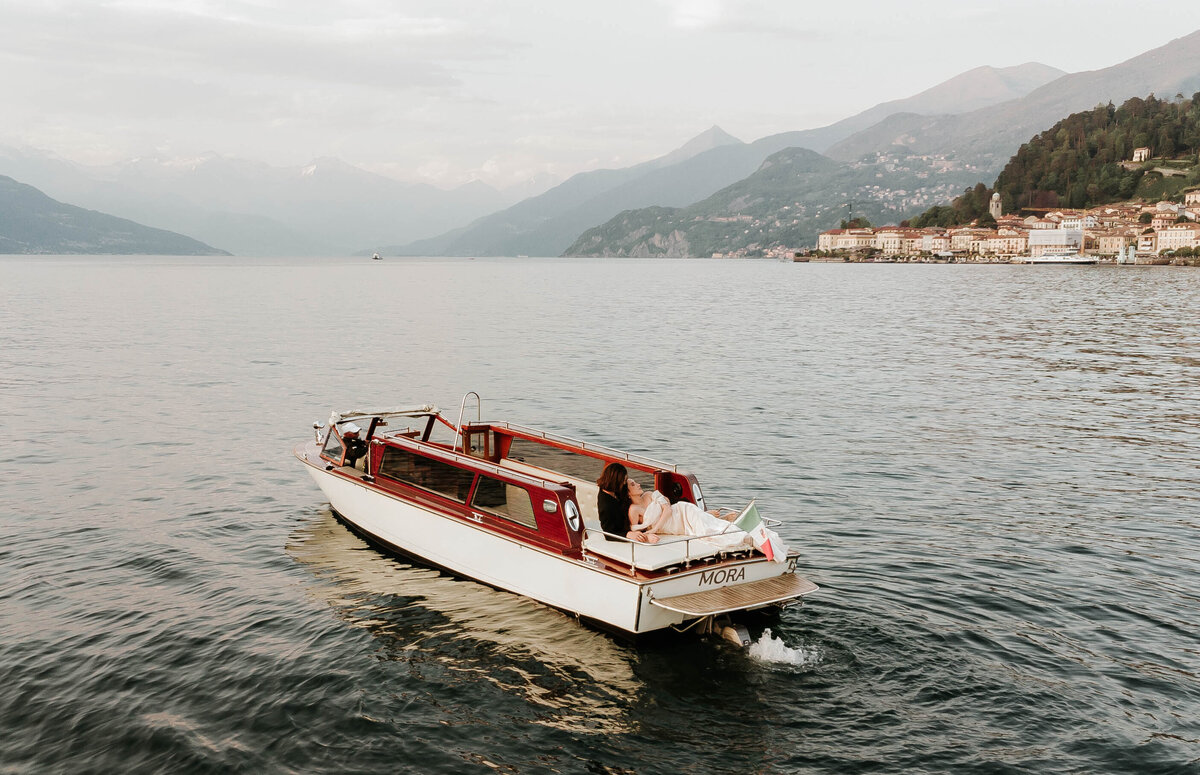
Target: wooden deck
<point x="738" y="596"/>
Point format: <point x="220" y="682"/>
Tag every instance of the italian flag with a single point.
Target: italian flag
<point x="750" y="522"/>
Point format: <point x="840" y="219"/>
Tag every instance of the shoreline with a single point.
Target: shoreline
<point x="1099" y="262"/>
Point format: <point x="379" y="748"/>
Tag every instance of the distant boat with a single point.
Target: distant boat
<point x="376" y="257"/>
<point x="1061" y="256"/>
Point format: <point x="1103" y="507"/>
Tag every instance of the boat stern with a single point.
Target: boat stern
<point x="721" y="590"/>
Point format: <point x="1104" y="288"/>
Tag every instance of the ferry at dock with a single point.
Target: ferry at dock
<point x="515" y="508"/>
<point x="1061" y="256"/>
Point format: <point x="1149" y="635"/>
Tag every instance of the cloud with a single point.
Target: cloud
<point x="394" y="52"/>
<point x="447" y="89"/>
<point x="740" y="17"/>
<point x="695" y="14"/>
<point x="288" y="79"/>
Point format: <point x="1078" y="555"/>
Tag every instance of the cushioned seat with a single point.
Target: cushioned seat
<point x="671" y="550"/>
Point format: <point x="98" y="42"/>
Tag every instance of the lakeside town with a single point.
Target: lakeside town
<point x="1127" y="233"/>
<point x="1133" y="232"/>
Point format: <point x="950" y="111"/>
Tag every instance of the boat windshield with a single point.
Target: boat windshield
<point x="333" y="447"/>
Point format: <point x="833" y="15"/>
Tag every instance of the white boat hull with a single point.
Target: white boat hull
<point x="1069" y="259"/>
<point x="577" y="586"/>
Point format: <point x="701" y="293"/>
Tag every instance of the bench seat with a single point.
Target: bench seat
<point x="671" y="550"/>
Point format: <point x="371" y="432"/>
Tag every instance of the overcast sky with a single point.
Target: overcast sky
<point x="447" y="91"/>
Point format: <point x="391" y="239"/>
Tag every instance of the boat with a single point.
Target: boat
<point x="376" y="257"/>
<point x="1061" y="256"/>
<point x="514" y="507"/>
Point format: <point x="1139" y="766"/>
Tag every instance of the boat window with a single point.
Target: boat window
<point x="555" y="459"/>
<point x="427" y="473"/>
<point x="480" y="444"/>
<point x="333" y="446"/>
<point x="508" y="500"/>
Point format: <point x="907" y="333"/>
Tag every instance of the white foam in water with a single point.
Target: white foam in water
<point x="771" y="649"/>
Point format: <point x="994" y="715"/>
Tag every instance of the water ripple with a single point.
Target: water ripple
<point x="990" y="472"/>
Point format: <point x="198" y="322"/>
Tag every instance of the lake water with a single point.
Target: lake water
<point x="991" y="471"/>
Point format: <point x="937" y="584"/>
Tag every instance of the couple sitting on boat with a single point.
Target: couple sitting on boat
<point x="625" y="509"/>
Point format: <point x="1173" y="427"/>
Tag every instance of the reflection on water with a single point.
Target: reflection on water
<point x="418" y="613"/>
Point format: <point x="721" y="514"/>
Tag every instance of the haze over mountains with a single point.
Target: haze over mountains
<point x="892" y="160"/>
<point x="888" y="170"/>
<point x="250" y="208"/>
<point x="31" y="222"/>
<point x="550" y="223"/>
<point x="990" y="135"/>
<point x="974" y="89"/>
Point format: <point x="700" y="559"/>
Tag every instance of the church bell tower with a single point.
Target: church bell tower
<point x="994" y="207"/>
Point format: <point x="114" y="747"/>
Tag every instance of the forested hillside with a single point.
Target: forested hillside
<point x="1085" y="160"/>
<point x="972" y="206"/>
<point x="1077" y="163"/>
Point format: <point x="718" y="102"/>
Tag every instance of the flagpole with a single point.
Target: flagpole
<point x="733" y="521"/>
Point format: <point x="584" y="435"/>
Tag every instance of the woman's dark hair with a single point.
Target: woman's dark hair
<point x="624" y="499"/>
<point x="612" y="478"/>
<point x="614" y="518"/>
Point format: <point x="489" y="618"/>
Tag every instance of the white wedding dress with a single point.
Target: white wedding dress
<point x="688" y="519"/>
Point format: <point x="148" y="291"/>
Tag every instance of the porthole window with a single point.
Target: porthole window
<point x="572" y="516"/>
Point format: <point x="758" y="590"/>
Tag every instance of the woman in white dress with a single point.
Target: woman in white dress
<point x="652" y="513"/>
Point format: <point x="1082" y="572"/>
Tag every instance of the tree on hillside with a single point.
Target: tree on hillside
<point x="1079" y="158"/>
<point x="972" y="205"/>
<point x="1084" y="160"/>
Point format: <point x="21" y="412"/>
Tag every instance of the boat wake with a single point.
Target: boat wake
<point x="771" y="649"/>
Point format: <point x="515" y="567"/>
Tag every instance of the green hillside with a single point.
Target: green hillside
<point x="1084" y="161"/>
<point x="33" y="223"/>
<point x="1078" y="162"/>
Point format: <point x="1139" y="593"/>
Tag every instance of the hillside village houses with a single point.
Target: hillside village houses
<point x="1105" y="231"/>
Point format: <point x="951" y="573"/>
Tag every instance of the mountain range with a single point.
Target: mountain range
<point x="972" y="90"/>
<point x="550" y="223"/>
<point x="31" y="222"/>
<point x="893" y="160"/>
<point x="890" y="170"/>
<point x="326" y="207"/>
<point x="990" y="135"/>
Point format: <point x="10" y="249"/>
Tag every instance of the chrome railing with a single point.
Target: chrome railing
<point x="688" y="559"/>
<point x="766" y="520"/>
<point x="461" y="408"/>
